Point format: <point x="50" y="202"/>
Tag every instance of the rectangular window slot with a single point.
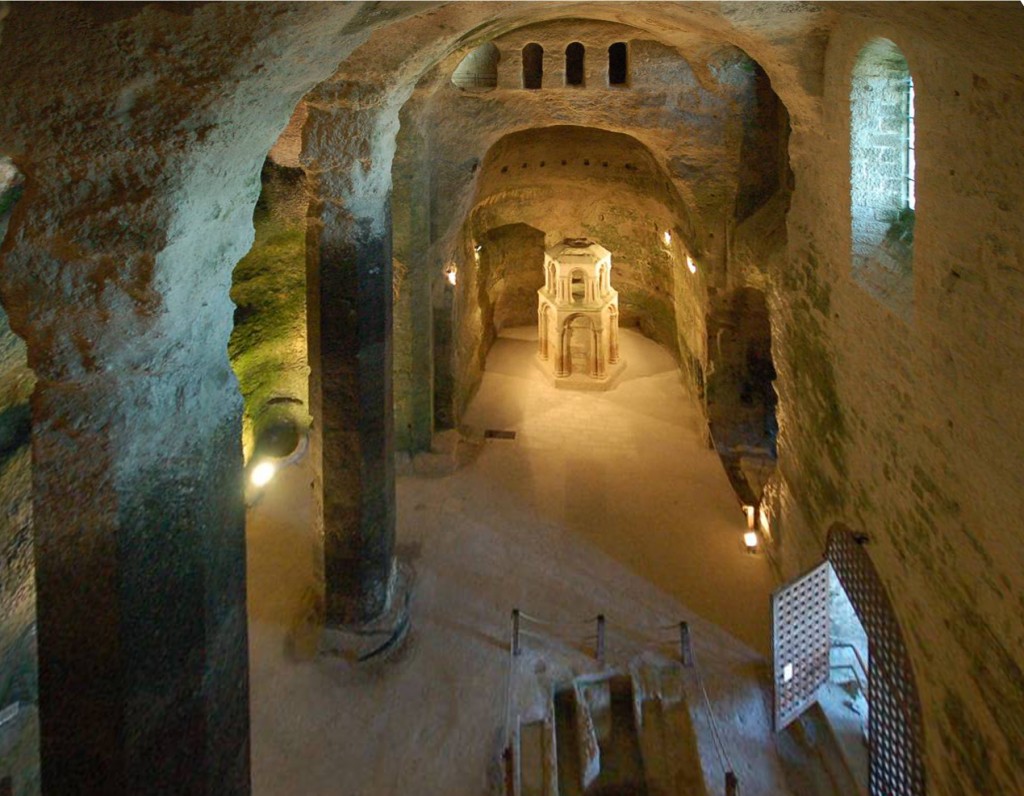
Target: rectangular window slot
<point x="493" y="433"/>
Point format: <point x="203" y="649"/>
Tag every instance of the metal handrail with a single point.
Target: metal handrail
<point x="866" y="682"/>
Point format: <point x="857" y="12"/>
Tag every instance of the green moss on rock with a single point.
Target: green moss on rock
<point x="268" y="345"/>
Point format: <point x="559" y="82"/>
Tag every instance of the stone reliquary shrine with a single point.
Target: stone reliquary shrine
<point x="578" y="317"/>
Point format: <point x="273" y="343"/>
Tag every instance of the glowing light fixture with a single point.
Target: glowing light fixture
<point x="667" y="237"/>
<point x="451" y="272"/>
<point x="478" y="248"/>
<point x="691" y="264"/>
<point x="262" y="473"/>
<point x="750" y="540"/>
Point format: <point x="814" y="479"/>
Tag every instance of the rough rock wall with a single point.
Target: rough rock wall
<point x="910" y="428"/>
<point x="512" y="261"/>
<point x="268" y="342"/>
<point x="141" y="131"/>
<point x="17" y="584"/>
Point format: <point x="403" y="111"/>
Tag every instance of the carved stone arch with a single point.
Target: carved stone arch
<point x="895" y="727"/>
<point x="571" y="322"/>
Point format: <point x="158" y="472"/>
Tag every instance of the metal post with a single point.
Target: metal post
<point x="600" y="639"/>
<point x="685" y="654"/>
<point x="515" y="631"/>
<point x="732" y="785"/>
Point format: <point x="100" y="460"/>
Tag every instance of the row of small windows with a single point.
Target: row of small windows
<point x="575" y="71"/>
<point x="479" y="69"/>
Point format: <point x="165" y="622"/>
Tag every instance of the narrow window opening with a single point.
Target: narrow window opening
<point x="618" y="64"/>
<point x="574" y="64"/>
<point x="910" y="162"/>
<point x="478" y="70"/>
<point x="883" y="183"/>
<point x="533" y="66"/>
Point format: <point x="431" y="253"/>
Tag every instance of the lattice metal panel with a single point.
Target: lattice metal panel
<point x="896" y="739"/>
<point x="800" y="643"/>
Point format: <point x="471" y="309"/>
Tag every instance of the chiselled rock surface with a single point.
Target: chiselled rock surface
<point x="141" y="131"/>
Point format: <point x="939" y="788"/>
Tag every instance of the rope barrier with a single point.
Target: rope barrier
<point x="552" y="623"/>
<point x="723" y="755"/>
<point x="587" y="620"/>
<point x="599" y="640"/>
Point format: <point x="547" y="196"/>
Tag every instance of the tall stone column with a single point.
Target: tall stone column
<point x="413" y="328"/>
<point x="350" y="353"/>
<point x="137" y="500"/>
<point x="140" y="576"/>
<point x="348" y="154"/>
<point x="563" y="361"/>
<point x="613" y="336"/>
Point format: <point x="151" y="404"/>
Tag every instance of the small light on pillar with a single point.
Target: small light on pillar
<point x="750" y="541"/>
<point x="478" y="248"/>
<point x="667" y="237"/>
<point x="691" y="264"/>
<point x="750" y="512"/>
<point x="262" y="473"/>
<point x="451" y="272"/>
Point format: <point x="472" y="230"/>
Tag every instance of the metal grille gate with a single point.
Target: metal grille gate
<point x="894" y="715"/>
<point x="800" y="643"/>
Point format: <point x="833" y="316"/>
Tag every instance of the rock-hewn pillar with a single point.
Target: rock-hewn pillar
<point x="351" y="402"/>
<point x="136" y="496"/>
<point x="349" y="284"/>
<point x="413" y="334"/>
<point x="116" y="271"/>
<point x="140" y="575"/>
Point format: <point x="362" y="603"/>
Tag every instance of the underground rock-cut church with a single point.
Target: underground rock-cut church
<point x="293" y="502"/>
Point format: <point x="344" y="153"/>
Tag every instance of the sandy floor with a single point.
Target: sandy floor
<point x="604" y="502"/>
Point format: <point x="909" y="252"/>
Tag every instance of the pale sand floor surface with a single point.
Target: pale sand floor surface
<point x="605" y="502"/>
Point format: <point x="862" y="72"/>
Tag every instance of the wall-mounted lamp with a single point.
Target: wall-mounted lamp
<point x="451" y="273"/>
<point x="478" y="248"/>
<point x="667" y="237"/>
<point x="262" y="473"/>
<point x="750" y="541"/>
<point x="691" y="264"/>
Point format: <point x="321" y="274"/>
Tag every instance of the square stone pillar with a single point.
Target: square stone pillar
<point x="140" y="575"/>
<point x="349" y="284"/>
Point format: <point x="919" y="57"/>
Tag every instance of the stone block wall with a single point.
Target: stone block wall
<point x="910" y="428"/>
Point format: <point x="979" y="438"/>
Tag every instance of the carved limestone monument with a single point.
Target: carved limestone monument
<point x="578" y="317"/>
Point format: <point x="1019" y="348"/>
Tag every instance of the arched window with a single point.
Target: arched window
<point x="533" y="66"/>
<point x="479" y="69"/>
<point x="882" y="178"/>
<point x="574" y="64"/>
<point x="618" y="64"/>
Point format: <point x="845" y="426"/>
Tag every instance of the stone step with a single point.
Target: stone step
<point x="812" y="759"/>
<point x="532" y="760"/>
<point x="668" y="743"/>
<point x="535" y="756"/>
